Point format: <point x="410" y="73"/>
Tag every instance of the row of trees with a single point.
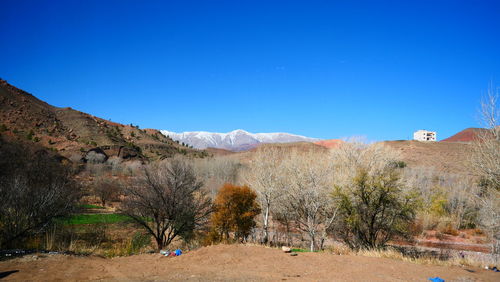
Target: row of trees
<point x="295" y="188"/>
<point x="356" y="193"/>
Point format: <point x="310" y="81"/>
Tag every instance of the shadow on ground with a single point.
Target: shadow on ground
<point x="7" y="273"/>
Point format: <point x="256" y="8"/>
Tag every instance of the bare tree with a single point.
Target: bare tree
<point x="486" y="152"/>
<point x="168" y="201"/>
<point x="106" y="189"/>
<point x="350" y="156"/>
<point x="306" y="193"/>
<point x="485" y="161"/>
<point x="265" y="176"/>
<point x="281" y="215"/>
<point x="35" y="188"/>
<point x="217" y="171"/>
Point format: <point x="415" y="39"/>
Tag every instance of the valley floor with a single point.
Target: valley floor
<point x="232" y="263"/>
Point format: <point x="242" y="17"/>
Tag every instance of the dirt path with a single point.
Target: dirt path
<point x="233" y="263"/>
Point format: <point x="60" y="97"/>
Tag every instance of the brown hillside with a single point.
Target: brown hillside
<point x="219" y="152"/>
<point x="444" y="156"/>
<point x="331" y="143"/>
<point x="72" y="132"/>
<point x="468" y="135"/>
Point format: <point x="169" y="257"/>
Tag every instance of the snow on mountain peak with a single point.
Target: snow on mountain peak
<point x="236" y="140"/>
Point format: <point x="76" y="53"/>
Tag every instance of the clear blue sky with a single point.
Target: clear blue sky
<point x="324" y="69"/>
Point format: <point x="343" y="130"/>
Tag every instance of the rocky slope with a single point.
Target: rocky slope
<point x="72" y="133"/>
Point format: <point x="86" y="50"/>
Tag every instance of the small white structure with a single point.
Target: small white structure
<point x="424" y="135"/>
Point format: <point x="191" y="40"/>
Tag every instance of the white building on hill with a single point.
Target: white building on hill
<point x="424" y="135"/>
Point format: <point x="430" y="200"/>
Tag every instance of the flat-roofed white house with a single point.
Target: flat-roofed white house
<point x="424" y="135"/>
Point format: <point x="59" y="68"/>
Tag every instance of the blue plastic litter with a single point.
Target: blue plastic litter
<point x="436" y="279"/>
<point x="178" y="252"/>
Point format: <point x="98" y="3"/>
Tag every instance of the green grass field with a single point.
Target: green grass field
<point x="89" y="206"/>
<point x="95" y="219"/>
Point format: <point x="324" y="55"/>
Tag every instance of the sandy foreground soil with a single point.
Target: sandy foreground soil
<point x="232" y="263"/>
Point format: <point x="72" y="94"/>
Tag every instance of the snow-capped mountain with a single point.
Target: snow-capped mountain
<point x="237" y="140"/>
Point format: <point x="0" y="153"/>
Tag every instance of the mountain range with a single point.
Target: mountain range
<point x="236" y="140"/>
<point x="72" y="133"/>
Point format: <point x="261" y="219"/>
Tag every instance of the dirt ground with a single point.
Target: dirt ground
<point x="232" y="263"/>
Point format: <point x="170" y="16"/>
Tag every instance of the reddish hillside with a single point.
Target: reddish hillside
<point x="72" y="133"/>
<point x="331" y="143"/>
<point x="467" y="135"/>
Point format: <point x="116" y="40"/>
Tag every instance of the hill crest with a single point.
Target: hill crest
<point x="71" y="133"/>
<point x="468" y="135"/>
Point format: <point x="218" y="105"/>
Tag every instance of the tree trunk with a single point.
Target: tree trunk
<point x="311" y="235"/>
<point x="266" y="226"/>
<point x="288" y="235"/>
<point x="159" y="242"/>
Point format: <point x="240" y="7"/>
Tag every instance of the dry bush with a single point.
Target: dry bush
<point x="115" y="165"/>
<point x="446" y="198"/>
<point x="94" y="157"/>
<point x="444" y="258"/>
<point x="139" y="242"/>
<point x="449" y="230"/>
<point x="132" y="167"/>
<point x="339" y="248"/>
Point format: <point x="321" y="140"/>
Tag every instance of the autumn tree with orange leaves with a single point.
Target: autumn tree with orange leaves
<point x="234" y="216"/>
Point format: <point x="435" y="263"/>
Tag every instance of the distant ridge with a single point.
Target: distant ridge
<point x="236" y="140"/>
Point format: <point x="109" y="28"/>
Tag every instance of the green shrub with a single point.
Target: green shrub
<point x="374" y="209"/>
<point x="139" y="240"/>
<point x="30" y="135"/>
